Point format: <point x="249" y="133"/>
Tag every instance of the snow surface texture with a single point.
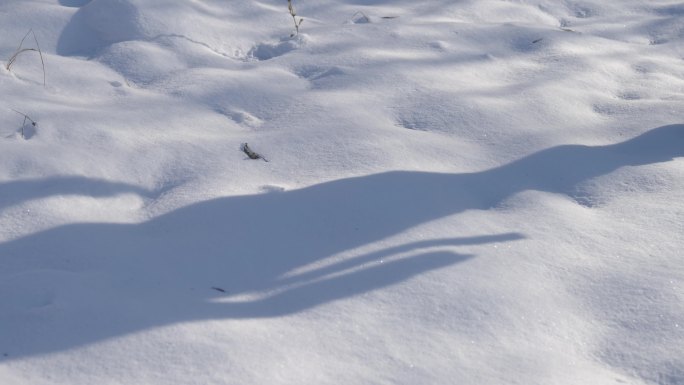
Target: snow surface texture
<point x="457" y="192"/>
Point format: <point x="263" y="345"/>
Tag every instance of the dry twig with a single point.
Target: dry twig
<point x="251" y="154"/>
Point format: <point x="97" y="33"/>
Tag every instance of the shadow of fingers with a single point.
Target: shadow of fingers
<point x="304" y="295"/>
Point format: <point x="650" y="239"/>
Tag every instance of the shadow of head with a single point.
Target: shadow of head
<point x="658" y="145"/>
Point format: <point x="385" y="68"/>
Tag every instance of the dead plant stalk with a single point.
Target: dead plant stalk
<point x="21" y="50"/>
<point x="293" y="13"/>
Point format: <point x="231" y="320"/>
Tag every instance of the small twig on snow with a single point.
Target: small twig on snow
<point x="251" y="154"/>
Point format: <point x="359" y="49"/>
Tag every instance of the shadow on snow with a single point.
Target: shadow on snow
<point x="273" y="254"/>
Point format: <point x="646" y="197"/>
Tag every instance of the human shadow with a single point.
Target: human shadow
<point x="16" y="192"/>
<point x="268" y="255"/>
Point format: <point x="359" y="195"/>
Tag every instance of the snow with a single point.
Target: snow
<point x="456" y="192"/>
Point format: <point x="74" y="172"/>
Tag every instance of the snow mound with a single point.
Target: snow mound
<point x="114" y="20"/>
<point x="101" y="23"/>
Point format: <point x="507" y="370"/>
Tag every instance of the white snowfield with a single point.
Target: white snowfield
<point x="455" y="192"/>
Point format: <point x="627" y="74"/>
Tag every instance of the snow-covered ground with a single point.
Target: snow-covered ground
<point x="456" y="192"/>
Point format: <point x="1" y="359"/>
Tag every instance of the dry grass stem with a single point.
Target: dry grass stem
<point x="21" y="50"/>
<point x="293" y="13"/>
